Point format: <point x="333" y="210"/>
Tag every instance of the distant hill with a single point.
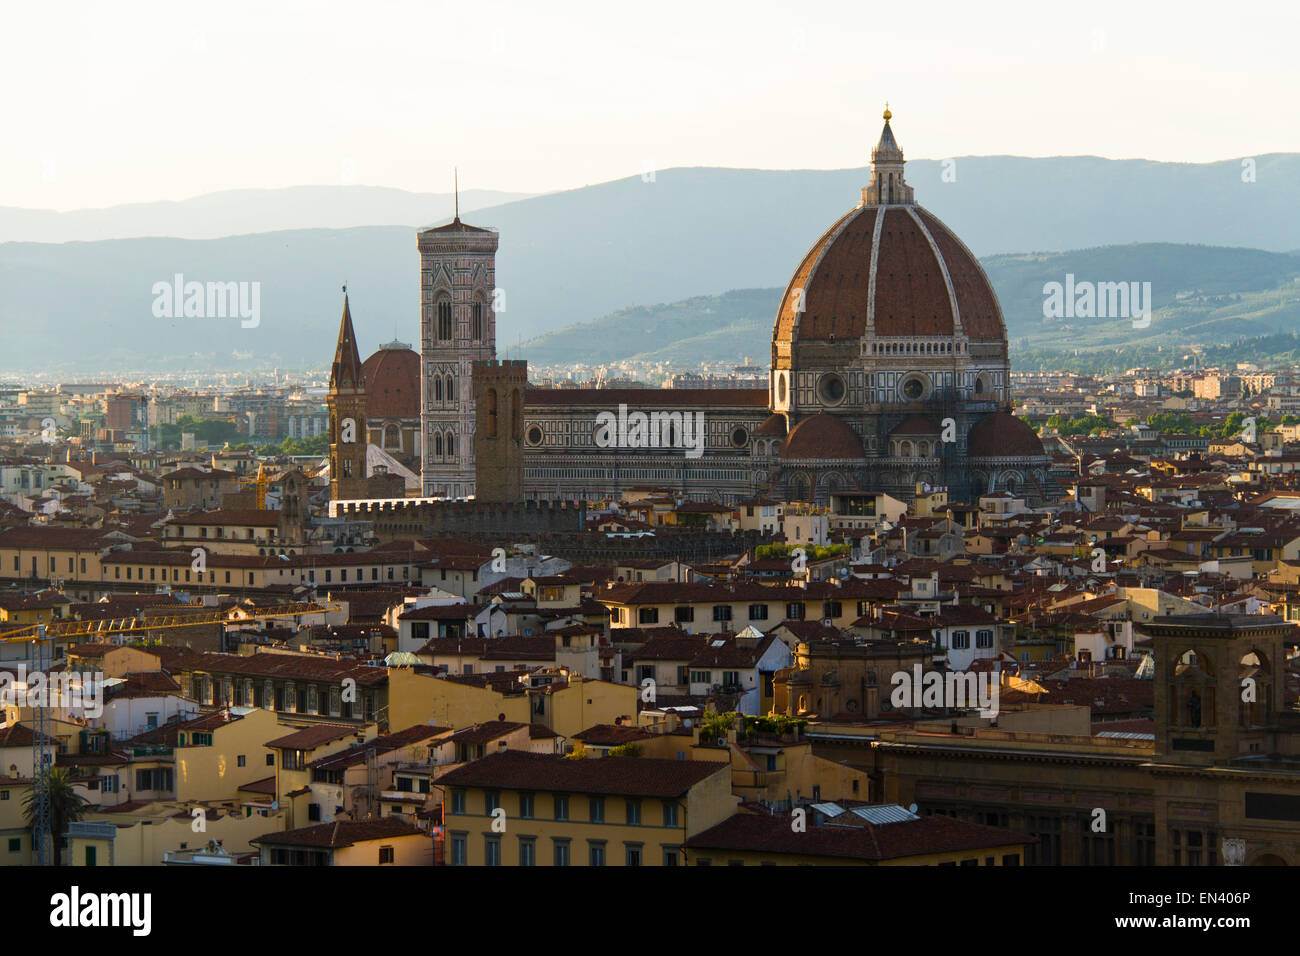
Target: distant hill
<point x="239" y="212"/>
<point x="576" y="256"/>
<point x="1225" y="294"/>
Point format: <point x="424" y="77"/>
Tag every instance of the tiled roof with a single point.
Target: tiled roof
<point x="621" y="776"/>
<point x="760" y="833"/>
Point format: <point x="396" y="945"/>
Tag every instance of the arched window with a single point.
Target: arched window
<point x="444" y="318"/>
<point x="491" y="413"/>
<point x="449" y="388"/>
<point x="437" y="445"/>
<point x="478" y="318"/>
<point x="906" y="448"/>
<point x="451" y="445"/>
<point x="437" y="388"/>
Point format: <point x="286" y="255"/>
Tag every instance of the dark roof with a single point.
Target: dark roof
<point x="311" y="737"/>
<point x="760" y="833"/>
<point x="625" y="776"/>
<point x="341" y="833"/>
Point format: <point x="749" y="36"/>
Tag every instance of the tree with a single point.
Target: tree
<point x="626" y="750"/>
<point x="66" y="806"/>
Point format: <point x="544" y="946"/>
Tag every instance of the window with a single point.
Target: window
<point x="491" y="801"/>
<point x="670" y="813"/>
<point x="960" y="640"/>
<point x="458" y="849"/>
<point x="633" y="853"/>
<point x="458" y="801"/>
<point x="701" y="677"/>
<point x="526" y="806"/>
<point x="758" y="612"/>
<point x="313" y="813"/>
<point x="527" y="851"/>
<point x="15" y="844"/>
<point x="597" y="809"/>
<point x="794" y="611"/>
<point x="722" y="612"/>
<point x="596" y="852"/>
<point x="561" y="807"/>
<point x="983" y="638"/>
<point x="91" y="855"/>
<point x="633" y="812"/>
<point x="647" y="615"/>
<point x="561" y="852"/>
<point x="731" y="678"/>
<point x="491" y="851"/>
<point x="672" y="856"/>
<point x="684" y="615"/>
<point x="444" y="320"/>
<point x="385" y="855"/>
<point x="478" y="321"/>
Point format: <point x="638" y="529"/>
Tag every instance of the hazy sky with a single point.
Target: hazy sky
<point x="122" y="102"/>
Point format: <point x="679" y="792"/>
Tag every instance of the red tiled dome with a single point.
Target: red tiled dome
<point x="772" y="425"/>
<point x="924" y="276"/>
<point x="392" y="377"/>
<point x="823" y="437"/>
<point x="1002" y="435"/>
<point x="889" y="268"/>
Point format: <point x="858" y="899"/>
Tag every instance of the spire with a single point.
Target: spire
<point x="455" y="179"/>
<point x="346" y="371"/>
<point x="887" y="186"/>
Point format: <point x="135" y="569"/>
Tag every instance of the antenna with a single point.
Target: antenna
<point x="455" y="180"/>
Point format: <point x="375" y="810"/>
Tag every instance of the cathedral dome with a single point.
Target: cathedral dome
<point x="1002" y="435"/>
<point x="392" y="377"/>
<point x="822" y="437"/>
<point x="888" y="268"/>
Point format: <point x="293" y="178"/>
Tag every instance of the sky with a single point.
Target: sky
<point x="110" y="103"/>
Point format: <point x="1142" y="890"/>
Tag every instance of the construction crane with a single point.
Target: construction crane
<point x="42" y="636"/>
<point x="260" y="482"/>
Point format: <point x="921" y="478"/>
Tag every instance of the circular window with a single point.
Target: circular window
<point x="739" y="437"/>
<point x="780" y="388"/>
<point x="534" y="435"/>
<point x="914" y="388"/>
<point x="830" y="389"/>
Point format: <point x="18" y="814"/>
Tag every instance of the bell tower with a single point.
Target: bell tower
<point x="458" y="300"/>
<point x="347" y="407"/>
<point x="1219" y="685"/>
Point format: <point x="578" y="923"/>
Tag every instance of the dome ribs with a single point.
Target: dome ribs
<point x="980" y="316"/>
<point x="911" y="295"/>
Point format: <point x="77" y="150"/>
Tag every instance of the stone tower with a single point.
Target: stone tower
<point x="1219" y="685"/>
<point x="457" y="329"/>
<point x="499" y="429"/>
<point x="347" y="407"/>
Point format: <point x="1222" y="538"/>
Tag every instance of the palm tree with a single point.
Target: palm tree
<point x="66" y="806"/>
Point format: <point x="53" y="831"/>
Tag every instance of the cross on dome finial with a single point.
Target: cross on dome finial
<point x="888" y="115"/>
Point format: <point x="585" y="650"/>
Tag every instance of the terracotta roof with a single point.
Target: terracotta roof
<point x="911" y="281"/>
<point x="623" y="776"/>
<point x="822" y="437"/>
<point x="311" y="737"/>
<point x="392" y="378"/>
<point x="760" y="833"/>
<point x="649" y="399"/>
<point x="1002" y="435"/>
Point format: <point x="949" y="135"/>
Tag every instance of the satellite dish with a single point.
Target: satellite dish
<point x="912" y="808"/>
